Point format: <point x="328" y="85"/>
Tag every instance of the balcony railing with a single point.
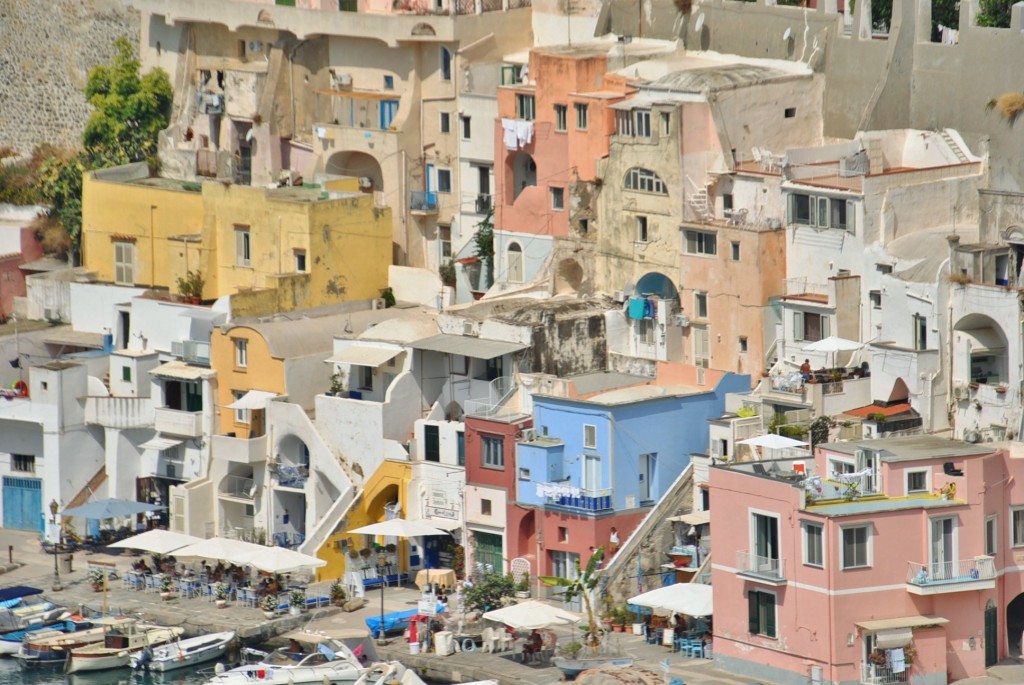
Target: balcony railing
<point x="484" y="203"/>
<point x="176" y="422"/>
<point x="423" y="201"/>
<point x="119" y="412"/>
<point x="240" y="450"/>
<point x="878" y="674"/>
<point x="803" y="286"/>
<point x="580" y="499"/>
<point x="766" y="568"/>
<point x="238" y="487"/>
<point x="196" y="352"/>
<point x="950" y="576"/>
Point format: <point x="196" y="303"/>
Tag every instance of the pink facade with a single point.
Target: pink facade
<point x="12" y="278"/>
<point x="813" y="573"/>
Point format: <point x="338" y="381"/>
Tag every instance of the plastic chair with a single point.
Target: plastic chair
<point x="488" y="643"/>
<point x="652" y="636"/>
<point x="695" y="649"/>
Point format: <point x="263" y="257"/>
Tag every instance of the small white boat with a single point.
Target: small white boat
<point x="120" y="642"/>
<point x="182" y="653"/>
<point x="328" y="662"/>
<point x="387" y="672"/>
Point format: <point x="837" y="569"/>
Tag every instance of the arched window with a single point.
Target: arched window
<point x="514" y="258"/>
<point x="645" y="180"/>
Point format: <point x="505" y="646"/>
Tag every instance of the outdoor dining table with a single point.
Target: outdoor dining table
<point x="435" y="576"/>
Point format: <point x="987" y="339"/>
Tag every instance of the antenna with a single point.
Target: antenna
<point x="700" y="23"/>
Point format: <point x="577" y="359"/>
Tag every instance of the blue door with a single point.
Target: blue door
<point x="388" y="110"/>
<point x="23" y="503"/>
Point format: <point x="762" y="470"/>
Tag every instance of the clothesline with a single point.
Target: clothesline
<point x="848" y="478"/>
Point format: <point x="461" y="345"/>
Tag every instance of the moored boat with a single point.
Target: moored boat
<point x="21" y="607"/>
<point x="10" y="642"/>
<point x="182" y="653"/>
<point x="120" y="642"/>
<point x="321" y="661"/>
<point x="53" y="650"/>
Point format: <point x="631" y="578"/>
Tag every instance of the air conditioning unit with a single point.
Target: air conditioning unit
<point x="377" y="303"/>
<point x="529" y="434"/>
<point x="365" y="182"/>
<point x="618" y="297"/>
<point x="631" y="501"/>
<point x="51" y="313"/>
<point x="972" y="436"/>
<point x="682" y="320"/>
<point x="343" y="81"/>
<point x="178" y="348"/>
<point x="961" y="392"/>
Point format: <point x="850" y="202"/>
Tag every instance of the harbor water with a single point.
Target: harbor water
<point x="12" y="674"/>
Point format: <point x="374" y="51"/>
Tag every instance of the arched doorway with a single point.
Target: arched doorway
<point x="514" y="263"/>
<point x="991" y="634"/>
<point x="656" y="284"/>
<point x="359" y="165"/>
<point x="1014" y="625"/>
<point x="524" y="173"/>
<point x="526" y="539"/>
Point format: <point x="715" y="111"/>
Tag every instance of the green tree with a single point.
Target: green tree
<point x="129" y="110"/>
<point x="490" y="592"/>
<point x="995" y="13"/>
<point x="582" y="586"/>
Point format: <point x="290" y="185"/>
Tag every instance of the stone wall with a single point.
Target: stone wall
<point x="46" y="51"/>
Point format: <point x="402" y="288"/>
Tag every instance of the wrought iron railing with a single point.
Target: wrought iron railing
<point x="423" y="201"/>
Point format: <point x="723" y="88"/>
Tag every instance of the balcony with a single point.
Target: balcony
<point x="240" y="450"/>
<point x="484" y="203"/>
<point x="196" y="352"/>
<point x="423" y="202"/>
<point x="176" y="422"/>
<point x="119" y="412"/>
<point x="577" y="499"/>
<point x="951" y="576"/>
<point x="881" y="674"/>
<point x="237" y="487"/>
<point x="767" y="569"/>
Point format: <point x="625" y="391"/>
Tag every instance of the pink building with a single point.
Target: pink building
<point x="880" y="561"/>
<point x="18" y="246"/>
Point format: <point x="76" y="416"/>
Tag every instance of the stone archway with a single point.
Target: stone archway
<point x="358" y="165"/>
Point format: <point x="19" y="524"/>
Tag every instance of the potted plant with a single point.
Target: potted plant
<point x="365" y="552"/>
<point x="190" y="286"/>
<point x="296" y="602"/>
<point x="523" y="587"/>
<point x="220" y="594"/>
<point x="638" y="623"/>
<point x="167" y="587"/>
<point x="338" y="594"/>
<point x="572" y="649"/>
<point x="269" y="606"/>
<point x="96" y="577"/>
<point x="619" y="620"/>
<point x="353" y="553"/>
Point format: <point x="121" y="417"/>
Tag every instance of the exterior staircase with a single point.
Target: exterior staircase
<point x="644" y="550"/>
<point x="954" y="146"/>
<point x="699" y="200"/>
<point x="86" y="492"/>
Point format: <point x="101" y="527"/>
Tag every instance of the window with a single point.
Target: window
<point x="431" y="443"/>
<point x="821" y="212"/>
<point x="524" y="474"/>
<point x="446" y="64"/>
<point x="388" y="109"/>
<point x="581" y="116"/>
<point x="563" y="534"/>
<point x="365" y="374"/>
<point x="389" y="83"/>
<point x="241" y="415"/>
<point x="241" y="353"/>
<point x="557" y="198"/>
<point x="25" y="463"/>
<point x="589" y="436"/>
<point x="836" y="466"/>
<point x="701" y="242"/>
<point x="743" y="344"/>
<point x="126" y="374"/>
<point x="565" y="564"/>
<point x="883" y="268"/>
<point x="525" y="107"/>
<point x="514" y="258"/>
<point x="444" y="180"/>
<point x="810" y="327"/>
<point x="1017" y="526"/>
<point x="623" y="124"/>
<point x="991" y="539"/>
<point x="727" y="203"/>
<point x="700" y="305"/>
<point x="735" y="251"/>
<point x="645" y="331"/>
<point x="561" y="117"/>
<point x="761" y="612"/>
<point x="642" y="121"/>
<point x="875" y="296"/>
<point x="789" y="112"/>
<point x="493" y="449"/>
<point x="584" y="226"/>
<point x="701" y="347"/>
<point x="943" y="547"/>
<point x="467" y="129"/>
<point x="814" y="550"/>
<point x="641" y="229"/>
<point x="124" y="262"/>
<point x="460" y="447"/>
<point x="917" y="481"/>
<point x="243" y="252"/>
<point x="645" y="181"/>
<point x="856" y="549"/>
<point x="920" y="332"/>
<point x="444" y="241"/>
<point x="300" y="261"/>
<point x="511" y="74"/>
<point x="446" y="122"/>
<point x="591" y="472"/>
<point x="666" y="123"/>
<point x="485" y="507"/>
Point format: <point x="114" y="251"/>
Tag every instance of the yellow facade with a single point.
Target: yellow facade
<point x="309" y="249"/>
<point x="389" y="483"/>
<point x="261" y="371"/>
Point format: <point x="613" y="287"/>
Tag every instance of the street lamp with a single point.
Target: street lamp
<point x="57" y="587"/>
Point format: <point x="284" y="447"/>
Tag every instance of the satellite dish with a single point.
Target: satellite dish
<point x="788" y="33"/>
<point x="700" y="23"/>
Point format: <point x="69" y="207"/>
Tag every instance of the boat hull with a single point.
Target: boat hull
<point x="102" y="657"/>
<point x="98" y="662"/>
<point x="258" y="674"/>
<point x="185" y="653"/>
<point x="573" y="667"/>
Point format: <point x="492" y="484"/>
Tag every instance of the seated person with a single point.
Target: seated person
<point x="296" y="650"/>
<point x="534" y="643"/>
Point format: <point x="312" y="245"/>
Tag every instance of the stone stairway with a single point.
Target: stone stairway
<point x="698" y="199"/>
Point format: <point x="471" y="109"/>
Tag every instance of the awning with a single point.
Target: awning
<point x="467" y="346"/>
<point x="160" y="443"/>
<point x="67" y="337"/>
<point x="254" y="399"/>
<point x="364" y="356"/>
<point x="984" y="340"/>
<point x="895" y="637"/>
<point x="443" y="524"/>
<point x="642" y="102"/>
<point x="695" y="518"/>
<point x="182" y="371"/>
<point x="902" y="622"/>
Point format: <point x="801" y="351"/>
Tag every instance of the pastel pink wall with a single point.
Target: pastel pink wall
<point x="12" y="278"/>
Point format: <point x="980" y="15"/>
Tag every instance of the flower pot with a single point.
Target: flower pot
<point x="221" y="603"/>
<point x="638" y="628"/>
<point x="268" y="615"/>
<point x="619" y="627"/>
<point x="681" y="560"/>
<point x="295" y="611"/>
<point x="166" y="596"/>
<point x="522" y="594"/>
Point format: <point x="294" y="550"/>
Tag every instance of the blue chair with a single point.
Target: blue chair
<point x="679" y="644"/>
<point x="696" y="648"/>
<point x="676" y="681"/>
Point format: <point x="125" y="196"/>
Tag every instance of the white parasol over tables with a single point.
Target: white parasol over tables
<point x="532" y="615"/>
<point x="691" y="599"/>
<point x="157" y="541"/>
<point x="279" y="560"/>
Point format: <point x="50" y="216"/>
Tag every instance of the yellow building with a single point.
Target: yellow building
<point x="272" y="249"/>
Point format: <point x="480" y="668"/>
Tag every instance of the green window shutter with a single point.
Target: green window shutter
<point x="769" y="614"/>
<point x="753" y="615"/>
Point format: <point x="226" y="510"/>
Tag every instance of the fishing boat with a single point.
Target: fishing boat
<point x="21" y="607"/>
<point x="182" y="653"/>
<point x="120" y="642"/>
<point x="52" y="650"/>
<point x="573" y="666"/>
<point x="321" y="661"/>
<point x="10" y="642"/>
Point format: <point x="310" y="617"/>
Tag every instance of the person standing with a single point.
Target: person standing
<point x="613" y="541"/>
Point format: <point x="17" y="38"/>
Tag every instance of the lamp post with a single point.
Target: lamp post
<point x="382" y="574"/>
<point x="57" y="587"/>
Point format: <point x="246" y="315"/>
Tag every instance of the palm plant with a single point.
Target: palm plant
<point x="582" y="586"/>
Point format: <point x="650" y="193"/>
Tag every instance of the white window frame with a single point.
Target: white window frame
<point x="848" y="465"/>
<point x="701" y="347"/>
<point x="643" y="180"/>
<point x="992" y="535"/>
<point x="590" y="436"/>
<point x="1013" y="532"/>
<point x="526" y="106"/>
<point x="805" y="527"/>
<point x="700" y="304"/>
<point x="243" y="247"/>
<point x="241" y="415"/>
<point x="800" y="328"/>
<point x="492" y="451"/>
<point x="666" y="123"/>
<point x="561" y="118"/>
<point x="752" y="531"/>
<point x="642" y="123"/>
<point x="557" y="198"/>
<point x="820" y="212"/>
<point x="124" y="262"/>
<point x="927" y="479"/>
<point x="514" y="263"/>
<point x="869" y="551"/>
<point x="955" y="542"/>
<point x="582" y="116"/>
<point x="241" y="353"/>
<point x="697" y="242"/>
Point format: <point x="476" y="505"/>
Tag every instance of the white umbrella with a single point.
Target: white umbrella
<point x="831" y="345"/>
<point x="532" y="615"/>
<point x="401" y="528"/>
<point x="772" y="441"/>
<point x="223" y="549"/>
<point x="692" y="599"/>
<point x="279" y="560"/>
<point x="157" y="541"/>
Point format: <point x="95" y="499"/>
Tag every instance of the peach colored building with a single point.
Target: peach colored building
<point x="879" y="561"/>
